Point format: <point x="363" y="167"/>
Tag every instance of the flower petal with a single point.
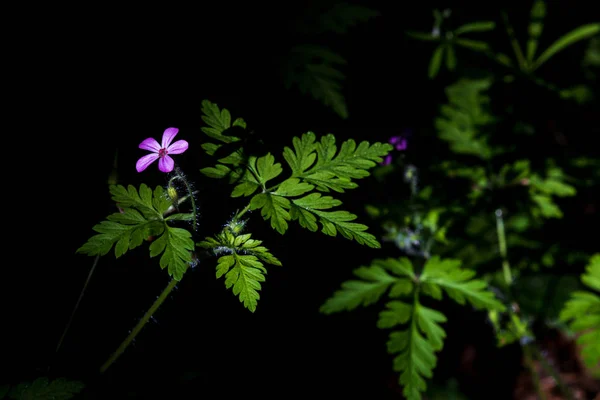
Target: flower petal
<point x="150" y="144"/>
<point x="166" y="164"/>
<point x="143" y="162"/>
<point x="168" y="136"/>
<point x="401" y="145"/>
<point x="178" y="147"/>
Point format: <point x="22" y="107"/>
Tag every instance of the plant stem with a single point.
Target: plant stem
<point x="159" y="300"/>
<point x="502" y="244"/>
<point x="534" y="374"/>
<point x="523" y="65"/>
<point x="552" y="372"/>
<point x="70" y="321"/>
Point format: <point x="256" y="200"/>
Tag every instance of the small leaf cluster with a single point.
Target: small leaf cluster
<point x="241" y="261"/>
<point x="418" y="332"/>
<point x="317" y="167"/>
<point x="582" y="313"/>
<point x="144" y="215"/>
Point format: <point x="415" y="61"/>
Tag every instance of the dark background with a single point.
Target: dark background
<point x="96" y="80"/>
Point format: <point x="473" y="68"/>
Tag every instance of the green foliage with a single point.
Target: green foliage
<point x="242" y="263"/>
<point x="316" y="166"/>
<point x="341" y="17"/>
<point x="449" y="39"/>
<point x="144" y="215"/>
<point x="582" y="313"/>
<point x="580" y="33"/>
<point x="419" y="333"/>
<point x="44" y="389"/>
<point x="464" y="116"/>
<point x="315" y="70"/>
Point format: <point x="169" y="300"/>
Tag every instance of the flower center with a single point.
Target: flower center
<point x="162" y="153"/>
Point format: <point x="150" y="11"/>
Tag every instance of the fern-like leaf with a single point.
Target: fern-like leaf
<point x="45" y="389"/>
<point x="458" y="283"/>
<point x="242" y="266"/>
<point x="343" y="16"/>
<point x="464" y="116"/>
<point x="314" y="70"/>
<point x="322" y="165"/>
<point x="582" y="313"/>
<point x="142" y="216"/>
<point x="416" y="347"/>
<point x="376" y="279"/>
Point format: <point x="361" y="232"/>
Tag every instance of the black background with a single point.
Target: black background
<point x="92" y="80"/>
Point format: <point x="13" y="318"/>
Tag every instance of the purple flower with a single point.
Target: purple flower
<point x="161" y="151"/>
<point x="399" y="143"/>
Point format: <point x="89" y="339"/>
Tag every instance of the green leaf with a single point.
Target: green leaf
<point x="582" y="313"/>
<point x="479" y="26"/>
<point x="44" y="389"/>
<point x="309" y="209"/>
<point x="314" y="69"/>
<point x="217" y="120"/>
<point x="458" y="283"/>
<point x="176" y="244"/>
<point x="303" y="155"/>
<point x="424" y="36"/>
<point x="577" y="34"/>
<point x="450" y="58"/>
<point x="436" y="61"/>
<point x="248" y="183"/>
<point x="397" y="313"/>
<point x="335" y="169"/>
<point x="343" y="16"/>
<point x="354" y="293"/>
<point x="464" y="116"/>
<point x="475" y="45"/>
<point x="243" y="273"/>
<point x="266" y="168"/>
<point x="274" y="208"/>
<point x="293" y="187"/>
<point x="416" y="347"/>
<point x="141" y="217"/>
<point x="536" y="25"/>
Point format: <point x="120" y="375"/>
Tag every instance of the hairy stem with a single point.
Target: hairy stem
<point x="159" y="300"/>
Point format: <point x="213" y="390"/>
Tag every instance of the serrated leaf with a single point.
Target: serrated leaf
<point x="582" y="314"/>
<point x="335" y="169"/>
<point x="293" y="187"/>
<point x="267" y="168"/>
<point x="397" y="313"/>
<point x="218" y="171"/>
<point x="458" y="283"/>
<point x="176" y="245"/>
<point x="313" y="69"/>
<point x="416" y="357"/>
<point x="141" y="217"/>
<point x="247" y="185"/>
<point x="217" y="121"/>
<point x="243" y="273"/>
<point x="274" y="208"/>
<point x="355" y="293"/>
